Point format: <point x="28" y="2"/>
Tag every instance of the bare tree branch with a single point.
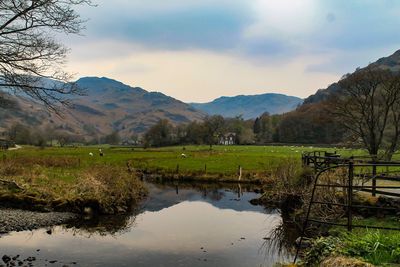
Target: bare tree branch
<point x="368" y="106"/>
<point x="29" y="54"/>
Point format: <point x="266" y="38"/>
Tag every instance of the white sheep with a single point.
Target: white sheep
<point x="183" y="155"/>
<point x="91" y="154"/>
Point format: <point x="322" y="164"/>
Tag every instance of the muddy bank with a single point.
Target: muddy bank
<point x="22" y="220"/>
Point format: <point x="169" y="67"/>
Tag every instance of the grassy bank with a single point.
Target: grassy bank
<point x="60" y="184"/>
<point x="75" y="177"/>
<point x="377" y="247"/>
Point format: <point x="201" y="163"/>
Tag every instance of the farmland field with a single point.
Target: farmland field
<point x="221" y="160"/>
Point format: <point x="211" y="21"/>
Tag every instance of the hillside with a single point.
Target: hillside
<point x="313" y="123"/>
<point x="391" y="62"/>
<point x="107" y="106"/>
<point x="249" y="106"/>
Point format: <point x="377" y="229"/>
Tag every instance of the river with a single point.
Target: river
<point x="177" y="225"/>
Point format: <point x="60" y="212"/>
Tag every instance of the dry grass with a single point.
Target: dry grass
<point x="60" y="161"/>
<point x="52" y="185"/>
<point x="114" y="188"/>
<point x="286" y="183"/>
<point x="344" y="262"/>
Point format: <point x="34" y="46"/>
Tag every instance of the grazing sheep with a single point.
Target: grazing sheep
<point x="91" y="154"/>
<point x="183" y="155"/>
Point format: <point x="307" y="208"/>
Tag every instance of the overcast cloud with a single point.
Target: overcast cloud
<point x="197" y="50"/>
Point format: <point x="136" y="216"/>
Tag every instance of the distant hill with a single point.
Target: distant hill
<point x="391" y="62"/>
<point x="107" y="106"/>
<point x="249" y="106"/>
<point x="312" y="122"/>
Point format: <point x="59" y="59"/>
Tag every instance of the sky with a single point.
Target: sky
<point x="198" y="50"/>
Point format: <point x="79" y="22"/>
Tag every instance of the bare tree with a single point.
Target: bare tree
<point x="29" y="52"/>
<point x="368" y="105"/>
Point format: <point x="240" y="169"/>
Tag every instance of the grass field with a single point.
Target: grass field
<point x="221" y="160"/>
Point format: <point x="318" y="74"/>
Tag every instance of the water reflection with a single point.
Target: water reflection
<point x="178" y="225"/>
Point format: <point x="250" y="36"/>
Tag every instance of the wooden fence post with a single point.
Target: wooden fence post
<point x="350" y="196"/>
<point x="373" y="179"/>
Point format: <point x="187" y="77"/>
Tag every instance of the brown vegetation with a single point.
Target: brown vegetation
<point x="100" y="189"/>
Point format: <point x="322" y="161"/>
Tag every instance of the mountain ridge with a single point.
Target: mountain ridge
<point x="106" y="106"/>
<point x="391" y="62"/>
<point x="249" y="106"/>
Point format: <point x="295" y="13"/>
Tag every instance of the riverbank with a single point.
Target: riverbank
<point x="14" y="220"/>
<point x="54" y="184"/>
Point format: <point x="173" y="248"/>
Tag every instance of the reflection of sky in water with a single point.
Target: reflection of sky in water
<point x="169" y="235"/>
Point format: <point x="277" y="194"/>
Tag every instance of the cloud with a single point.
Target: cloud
<point x="176" y="25"/>
<point x="201" y="75"/>
<point x="257" y="28"/>
<point x="233" y="46"/>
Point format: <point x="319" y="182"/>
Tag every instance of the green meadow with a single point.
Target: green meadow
<point x="220" y="161"/>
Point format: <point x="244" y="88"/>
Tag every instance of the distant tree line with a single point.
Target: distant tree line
<point x="265" y="129"/>
<point x="54" y="136"/>
<point x="307" y="124"/>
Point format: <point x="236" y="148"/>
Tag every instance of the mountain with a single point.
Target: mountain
<point x="106" y="106"/>
<point x="391" y="62"/>
<point x="249" y="106"/>
<point x="312" y="122"/>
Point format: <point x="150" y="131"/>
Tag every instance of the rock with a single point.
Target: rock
<point x="30" y="259"/>
<point x="255" y="202"/>
<point x="6" y="259"/>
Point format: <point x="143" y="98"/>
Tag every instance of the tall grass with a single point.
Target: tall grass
<point x="378" y="247"/>
<point x="375" y="246"/>
<point x="57" y="183"/>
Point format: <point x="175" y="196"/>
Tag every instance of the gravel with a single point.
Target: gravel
<point x="22" y="220"/>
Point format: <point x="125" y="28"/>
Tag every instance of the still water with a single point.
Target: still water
<point x="178" y="225"/>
